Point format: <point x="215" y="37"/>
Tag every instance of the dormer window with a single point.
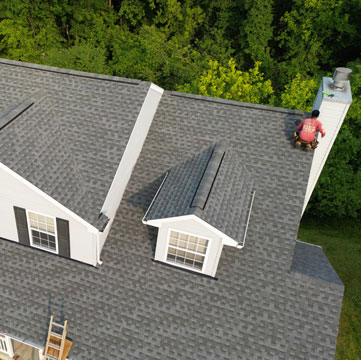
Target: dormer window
<point x="42" y="231"/>
<point x="202" y="205"/>
<point x="187" y="250"/>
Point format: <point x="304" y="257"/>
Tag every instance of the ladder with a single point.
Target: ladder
<point x="55" y="341"/>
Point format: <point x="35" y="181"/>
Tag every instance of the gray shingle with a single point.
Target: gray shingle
<point x="135" y="308"/>
<point x="310" y="260"/>
<point x="70" y="141"/>
<point x="214" y="185"/>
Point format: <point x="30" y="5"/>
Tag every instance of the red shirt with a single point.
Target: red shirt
<point x="308" y="128"/>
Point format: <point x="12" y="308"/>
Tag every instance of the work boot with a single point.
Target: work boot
<point x="298" y="144"/>
<point x="308" y="147"/>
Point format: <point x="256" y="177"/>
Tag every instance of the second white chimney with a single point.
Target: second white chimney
<point x="333" y="100"/>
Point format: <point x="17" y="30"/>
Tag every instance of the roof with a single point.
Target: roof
<point x="310" y="260"/>
<point x="134" y="308"/>
<point x="74" y="130"/>
<point x="213" y="185"/>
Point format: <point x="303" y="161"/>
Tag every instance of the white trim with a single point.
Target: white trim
<point x="193" y="252"/>
<point x="132" y="150"/>
<point x="155" y="196"/>
<point x="240" y="246"/>
<point x="156" y="88"/>
<point x="47" y="197"/>
<point x="9" y="346"/>
<point x="226" y="240"/>
<point x="55" y="232"/>
<point x="309" y="243"/>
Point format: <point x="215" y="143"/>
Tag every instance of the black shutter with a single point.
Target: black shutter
<point x="22" y="226"/>
<point x="63" y="237"/>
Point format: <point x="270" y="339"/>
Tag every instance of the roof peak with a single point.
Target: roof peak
<point x="209" y="176"/>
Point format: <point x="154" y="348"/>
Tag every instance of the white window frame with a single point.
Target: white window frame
<point x="56" y="251"/>
<point x="183" y="266"/>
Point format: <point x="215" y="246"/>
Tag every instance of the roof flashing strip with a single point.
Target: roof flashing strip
<point x="7" y="116"/>
<point x="209" y="176"/>
<point x="241" y="245"/>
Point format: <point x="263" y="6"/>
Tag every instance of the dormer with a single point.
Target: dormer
<point x="202" y="205"/>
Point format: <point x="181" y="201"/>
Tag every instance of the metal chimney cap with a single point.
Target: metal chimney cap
<point x="340" y="76"/>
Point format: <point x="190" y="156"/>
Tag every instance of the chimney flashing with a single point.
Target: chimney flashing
<point x="341" y="96"/>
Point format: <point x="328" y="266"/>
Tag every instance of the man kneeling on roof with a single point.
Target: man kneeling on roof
<point x="308" y="128"/>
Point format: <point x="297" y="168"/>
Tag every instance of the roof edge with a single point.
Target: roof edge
<point x="237" y="103"/>
<point x="47" y="197"/>
<point x="69" y="72"/>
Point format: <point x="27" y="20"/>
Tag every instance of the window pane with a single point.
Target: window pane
<point x="199" y="258"/>
<point x="41" y="218"/>
<point x="201" y="249"/>
<point x="193" y="239"/>
<point x="32" y="216"/>
<point x="51" y="229"/>
<point x="174" y="234"/>
<point x="182" y="244"/>
<point x="187" y="250"/>
<point x="50" y="221"/>
<point x="172" y="251"/>
<point x="181" y="253"/>
<point x="203" y="242"/>
<point x="180" y="260"/>
<point x="190" y="256"/>
<point x="170" y="257"/>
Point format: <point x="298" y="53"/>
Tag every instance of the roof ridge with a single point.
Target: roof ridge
<point x="69" y="72"/>
<point x="237" y="103"/>
<point x="209" y="176"/>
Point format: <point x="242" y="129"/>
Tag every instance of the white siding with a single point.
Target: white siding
<point x="15" y="191"/>
<point x="333" y="110"/>
<point x="332" y="115"/>
<point x="194" y="227"/>
<point x="132" y="150"/>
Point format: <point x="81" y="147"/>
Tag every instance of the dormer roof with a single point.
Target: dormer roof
<point x="214" y="185"/>
<point x="66" y="131"/>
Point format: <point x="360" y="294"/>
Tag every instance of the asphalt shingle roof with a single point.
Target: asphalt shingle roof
<point x="70" y="141"/>
<point x="214" y="185"/>
<point x="134" y="308"/>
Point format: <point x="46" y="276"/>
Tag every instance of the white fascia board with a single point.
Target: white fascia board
<point x="32" y="187"/>
<point x="226" y="240"/>
<point x="132" y="151"/>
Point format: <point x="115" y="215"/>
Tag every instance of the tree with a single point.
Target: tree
<point x="230" y="83"/>
<point x="299" y="94"/>
<point x="259" y="32"/>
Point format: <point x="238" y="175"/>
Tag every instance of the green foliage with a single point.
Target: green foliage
<point x="83" y="57"/>
<point x="308" y="32"/>
<point x="229" y="83"/>
<point x="259" y="32"/>
<point x="299" y="94"/>
<point x="281" y="50"/>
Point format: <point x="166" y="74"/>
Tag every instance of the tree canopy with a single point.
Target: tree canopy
<point x="271" y="52"/>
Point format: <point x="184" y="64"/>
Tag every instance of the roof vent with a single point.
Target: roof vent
<point x="340" y="77"/>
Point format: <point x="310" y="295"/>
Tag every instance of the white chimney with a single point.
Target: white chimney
<point x="333" y="100"/>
